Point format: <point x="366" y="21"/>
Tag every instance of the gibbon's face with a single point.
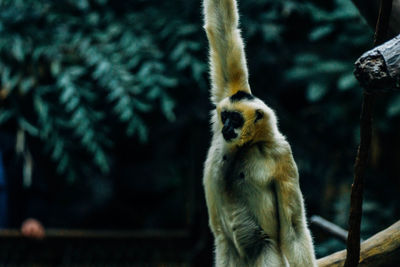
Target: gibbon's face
<point x="242" y="119"/>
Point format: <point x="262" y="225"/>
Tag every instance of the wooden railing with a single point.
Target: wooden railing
<point x="105" y="247"/>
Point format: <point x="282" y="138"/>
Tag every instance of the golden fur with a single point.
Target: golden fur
<point x="251" y="182"/>
<point x="228" y="63"/>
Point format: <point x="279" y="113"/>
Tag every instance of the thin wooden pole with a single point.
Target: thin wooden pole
<point x="353" y="239"/>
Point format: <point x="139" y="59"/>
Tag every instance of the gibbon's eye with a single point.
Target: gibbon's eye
<point x="232" y="118"/>
<point x="259" y="115"/>
<point x="224" y="116"/>
<point x="236" y="119"/>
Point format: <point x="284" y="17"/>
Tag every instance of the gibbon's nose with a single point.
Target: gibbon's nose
<point x="228" y="133"/>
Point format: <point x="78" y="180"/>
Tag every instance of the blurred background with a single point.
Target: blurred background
<point x="104" y="124"/>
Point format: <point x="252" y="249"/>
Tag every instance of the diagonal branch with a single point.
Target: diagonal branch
<point x="382" y="249"/>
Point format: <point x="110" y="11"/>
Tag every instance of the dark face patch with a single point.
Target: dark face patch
<point x="231" y="120"/>
<point x="241" y="95"/>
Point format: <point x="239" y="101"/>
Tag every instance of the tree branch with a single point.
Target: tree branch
<point x="353" y="239"/>
<point x="382" y="25"/>
<point x="329" y="227"/>
<point x="368" y="10"/>
<point x="382" y="249"/>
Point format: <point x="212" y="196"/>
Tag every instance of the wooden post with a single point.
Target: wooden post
<point x="353" y="239"/>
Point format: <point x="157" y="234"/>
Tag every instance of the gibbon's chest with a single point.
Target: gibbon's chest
<point x="248" y="169"/>
<point x="244" y="182"/>
<point x="243" y="177"/>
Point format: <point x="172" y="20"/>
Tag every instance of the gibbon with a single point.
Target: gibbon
<point x="255" y="206"/>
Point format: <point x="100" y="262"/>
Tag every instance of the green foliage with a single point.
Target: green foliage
<point x="328" y="57"/>
<point x="73" y="72"/>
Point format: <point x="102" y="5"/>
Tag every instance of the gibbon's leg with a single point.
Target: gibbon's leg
<point x="249" y="238"/>
<point x="296" y="242"/>
<point x="225" y="252"/>
<point x="227" y="57"/>
<point x="270" y="257"/>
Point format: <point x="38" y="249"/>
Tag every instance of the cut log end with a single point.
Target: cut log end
<point x="379" y="68"/>
<point x="371" y="72"/>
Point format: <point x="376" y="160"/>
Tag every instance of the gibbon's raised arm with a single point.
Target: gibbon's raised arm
<point x="227" y="58"/>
